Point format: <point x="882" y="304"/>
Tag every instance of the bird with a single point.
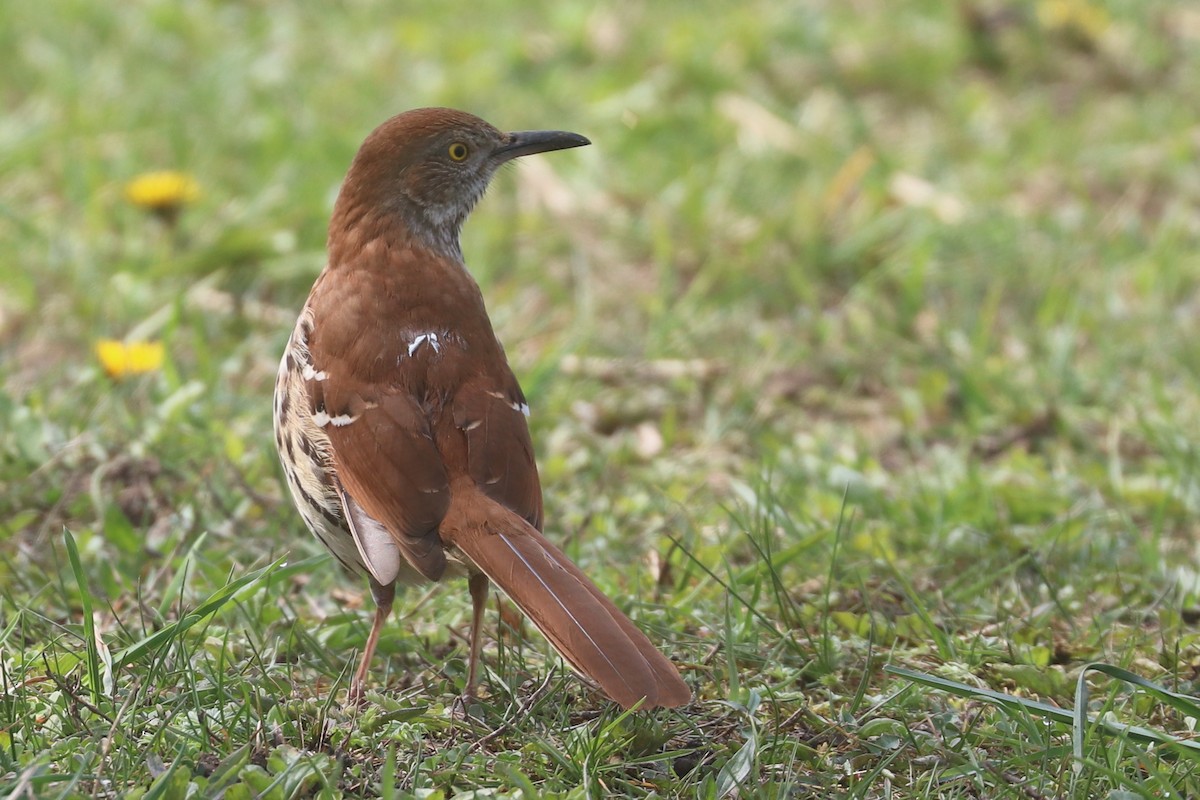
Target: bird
<point x="401" y="427"/>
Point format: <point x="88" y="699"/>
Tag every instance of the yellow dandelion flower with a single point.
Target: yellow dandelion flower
<point x="1073" y="16"/>
<point x="121" y="359"/>
<point x="165" y="191"/>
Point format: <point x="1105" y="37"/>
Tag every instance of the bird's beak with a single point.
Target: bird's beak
<point x="525" y="143"/>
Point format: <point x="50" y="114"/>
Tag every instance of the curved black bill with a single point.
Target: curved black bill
<point x="525" y="143"/>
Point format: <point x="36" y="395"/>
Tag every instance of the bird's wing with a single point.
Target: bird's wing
<point x="390" y="470"/>
<point x="382" y="446"/>
<point x="491" y="411"/>
<point x="403" y="408"/>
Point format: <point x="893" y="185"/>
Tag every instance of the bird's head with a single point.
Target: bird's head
<point x="425" y="169"/>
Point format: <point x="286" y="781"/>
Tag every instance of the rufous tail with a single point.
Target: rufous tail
<point x="584" y="626"/>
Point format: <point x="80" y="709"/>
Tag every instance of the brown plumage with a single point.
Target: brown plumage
<point x="401" y="428"/>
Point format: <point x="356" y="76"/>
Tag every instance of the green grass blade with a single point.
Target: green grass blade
<point x="736" y="772"/>
<point x="1185" y="704"/>
<point x="277" y="569"/>
<point x="89" y="623"/>
<point x="174" y="589"/>
<point x="1022" y="705"/>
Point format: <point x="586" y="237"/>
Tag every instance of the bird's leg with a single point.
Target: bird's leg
<point x="478" y="584"/>
<point x="384" y="595"/>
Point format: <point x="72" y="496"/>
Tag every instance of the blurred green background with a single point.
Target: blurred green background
<point x="864" y="333"/>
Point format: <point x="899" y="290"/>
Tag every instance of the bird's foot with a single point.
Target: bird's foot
<point x="356" y="698"/>
<point x="461" y="707"/>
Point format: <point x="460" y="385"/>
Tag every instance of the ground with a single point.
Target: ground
<point x="861" y="352"/>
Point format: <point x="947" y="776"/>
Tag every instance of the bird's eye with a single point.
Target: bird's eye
<point x="458" y="152"/>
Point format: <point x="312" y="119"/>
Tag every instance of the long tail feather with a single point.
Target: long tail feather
<point x="586" y="628"/>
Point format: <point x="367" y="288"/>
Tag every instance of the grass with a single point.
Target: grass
<point x="861" y="353"/>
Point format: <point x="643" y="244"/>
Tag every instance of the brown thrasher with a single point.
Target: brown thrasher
<point x="400" y="425"/>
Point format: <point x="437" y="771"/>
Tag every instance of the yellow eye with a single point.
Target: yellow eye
<point x="458" y="152"/>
